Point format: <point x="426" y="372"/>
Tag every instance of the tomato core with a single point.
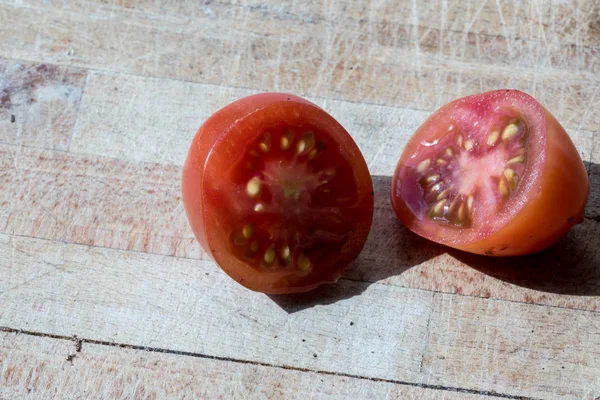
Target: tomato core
<point x="292" y="196"/>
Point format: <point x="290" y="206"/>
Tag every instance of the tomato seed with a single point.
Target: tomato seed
<point x="502" y="187"/>
<point x="510" y="131"/>
<point x="455" y="205"/>
<point x="306" y="143"/>
<point x="436" y="210"/>
<point x="269" y="255"/>
<point x="303" y="262"/>
<point x="465" y="211"/>
<point x="459" y="140"/>
<point x="253" y="187"/>
<point x="515" y="160"/>
<point x="509" y="173"/>
<point x="432" y="178"/>
<point x="423" y="165"/>
<point x="436" y="188"/>
<point x="286" y="139"/>
<point x="443" y="195"/>
<point x="264" y="147"/>
<point x="493" y="138"/>
<point x="248" y="231"/>
<point x="285" y="252"/>
<point x="301" y="146"/>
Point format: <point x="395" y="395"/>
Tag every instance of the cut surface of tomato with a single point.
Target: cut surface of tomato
<point x="278" y="193"/>
<point x="492" y="173"/>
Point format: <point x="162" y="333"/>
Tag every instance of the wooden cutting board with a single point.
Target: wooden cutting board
<point x="104" y="293"/>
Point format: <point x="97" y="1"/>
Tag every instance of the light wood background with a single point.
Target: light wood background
<point x="104" y="292"/>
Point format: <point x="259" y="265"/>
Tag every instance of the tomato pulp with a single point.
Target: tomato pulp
<point x="278" y="193"/>
<point x="493" y="173"/>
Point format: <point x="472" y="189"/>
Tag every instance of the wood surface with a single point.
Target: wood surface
<point x="99" y="101"/>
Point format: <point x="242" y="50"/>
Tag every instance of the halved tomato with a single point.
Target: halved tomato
<point x="493" y="173"/>
<point x="278" y="193"/>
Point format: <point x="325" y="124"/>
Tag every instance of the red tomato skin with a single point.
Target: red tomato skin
<point x="197" y="200"/>
<point x="543" y="220"/>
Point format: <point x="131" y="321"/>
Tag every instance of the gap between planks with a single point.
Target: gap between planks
<point x="258" y="363"/>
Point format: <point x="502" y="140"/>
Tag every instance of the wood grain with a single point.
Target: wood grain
<point x="99" y="100"/>
<point x="188" y="305"/>
<point x="38" y="103"/>
<point x="111" y="203"/>
<point x="247" y="46"/>
<point x="38" y="368"/>
<point x="185" y="305"/>
<point x="154" y="120"/>
<point x="93" y="200"/>
<point x="539" y="344"/>
<point x="109" y="125"/>
<point x="546" y="23"/>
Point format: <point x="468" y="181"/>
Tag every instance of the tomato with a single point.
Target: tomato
<point x="493" y="173"/>
<point x="278" y="193"/>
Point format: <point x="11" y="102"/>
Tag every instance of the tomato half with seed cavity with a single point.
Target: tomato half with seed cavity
<point x="278" y="193"/>
<point x="493" y="173"/>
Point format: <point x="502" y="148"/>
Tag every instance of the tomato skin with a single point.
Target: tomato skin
<point x="546" y="216"/>
<point x="217" y="142"/>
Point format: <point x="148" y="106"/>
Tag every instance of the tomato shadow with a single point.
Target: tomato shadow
<point x="390" y="250"/>
<point x="571" y="267"/>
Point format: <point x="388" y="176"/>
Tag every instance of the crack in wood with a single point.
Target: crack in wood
<point x="489" y="393"/>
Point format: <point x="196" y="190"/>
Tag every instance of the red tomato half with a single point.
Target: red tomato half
<point x="278" y="193"/>
<point x="493" y="173"/>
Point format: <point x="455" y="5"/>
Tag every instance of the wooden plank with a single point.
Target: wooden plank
<point x="386" y="332"/>
<point x="546" y="24"/>
<point x="37" y="368"/>
<point x="246" y="50"/>
<point x="436" y="339"/>
<point x="525" y="348"/>
<point x="188" y="305"/>
<point x="523" y="34"/>
<point x="106" y="202"/>
<point x="154" y="120"/>
<point x="94" y="200"/>
<point x="38" y="103"/>
<point x="563" y="22"/>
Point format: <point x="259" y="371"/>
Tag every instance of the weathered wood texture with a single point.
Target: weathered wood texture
<point x="370" y="330"/>
<point x="43" y="368"/>
<point x="98" y="103"/>
<point x="118" y="187"/>
<point x="393" y="53"/>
